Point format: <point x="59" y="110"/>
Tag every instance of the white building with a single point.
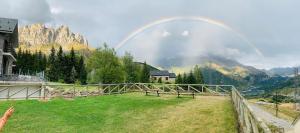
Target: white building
<point x="164" y="76"/>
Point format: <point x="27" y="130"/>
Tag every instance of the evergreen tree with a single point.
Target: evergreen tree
<point x="184" y="79"/>
<point x="198" y="75"/>
<point x="82" y="71"/>
<point x="52" y="68"/>
<point x="179" y="79"/>
<point x="40" y="61"/>
<point x="191" y="79"/>
<point x="72" y="58"/>
<point x="44" y="62"/>
<point x="60" y="64"/>
<point x="145" y="73"/>
<point x="73" y="75"/>
<point x="66" y="69"/>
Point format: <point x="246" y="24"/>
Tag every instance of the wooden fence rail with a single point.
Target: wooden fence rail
<point x="248" y="122"/>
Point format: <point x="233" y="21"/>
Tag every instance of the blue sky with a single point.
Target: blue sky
<point x="271" y="25"/>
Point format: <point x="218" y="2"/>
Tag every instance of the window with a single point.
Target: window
<point x="154" y="78"/>
<point x="167" y="78"/>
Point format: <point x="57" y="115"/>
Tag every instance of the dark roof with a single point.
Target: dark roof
<point x="8" y="25"/>
<point x="172" y="75"/>
<point x="159" y="73"/>
<point x="162" y="73"/>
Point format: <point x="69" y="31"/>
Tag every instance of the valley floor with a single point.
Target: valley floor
<point x="131" y="112"/>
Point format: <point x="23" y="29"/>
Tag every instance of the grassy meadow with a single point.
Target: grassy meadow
<point x="132" y="112"/>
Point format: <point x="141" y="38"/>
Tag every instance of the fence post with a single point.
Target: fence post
<point x="98" y="87"/>
<point x="74" y="91"/>
<point x="8" y="93"/>
<point x="177" y="93"/>
<point x="26" y="93"/>
<point x="44" y="89"/>
<point x="87" y="90"/>
<point x="193" y="94"/>
<point x="157" y="93"/>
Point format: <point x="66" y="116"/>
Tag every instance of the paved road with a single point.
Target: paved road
<point x="270" y="118"/>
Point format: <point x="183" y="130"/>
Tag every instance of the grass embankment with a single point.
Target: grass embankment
<point x="131" y="112"/>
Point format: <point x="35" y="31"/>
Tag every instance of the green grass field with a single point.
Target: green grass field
<point x="131" y="112"/>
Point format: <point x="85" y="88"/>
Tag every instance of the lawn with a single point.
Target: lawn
<point x="132" y="112"/>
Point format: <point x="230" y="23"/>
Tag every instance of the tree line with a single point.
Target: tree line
<point x="193" y="77"/>
<point x="29" y="63"/>
<point x="58" y="66"/>
<point x="102" y="66"/>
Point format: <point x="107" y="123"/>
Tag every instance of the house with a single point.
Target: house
<point x="8" y="41"/>
<point x="164" y="76"/>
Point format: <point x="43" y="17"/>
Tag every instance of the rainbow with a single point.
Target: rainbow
<point x="194" y="18"/>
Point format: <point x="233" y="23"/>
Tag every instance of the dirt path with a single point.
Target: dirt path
<point x="271" y="119"/>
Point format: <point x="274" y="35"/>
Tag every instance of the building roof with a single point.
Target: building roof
<point x="10" y="28"/>
<point x="162" y="73"/>
<point x="159" y="73"/>
<point x="172" y="75"/>
<point x="8" y="25"/>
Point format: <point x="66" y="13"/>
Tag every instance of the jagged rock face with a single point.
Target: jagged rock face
<point x="39" y="34"/>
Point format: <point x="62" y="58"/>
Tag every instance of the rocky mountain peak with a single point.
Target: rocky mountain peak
<point x="39" y="34"/>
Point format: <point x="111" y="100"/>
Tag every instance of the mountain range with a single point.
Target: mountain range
<point x="40" y="37"/>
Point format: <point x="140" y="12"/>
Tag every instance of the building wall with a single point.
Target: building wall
<point x="8" y="68"/>
<point x="163" y="79"/>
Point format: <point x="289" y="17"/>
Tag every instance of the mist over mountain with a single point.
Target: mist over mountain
<point x="282" y="71"/>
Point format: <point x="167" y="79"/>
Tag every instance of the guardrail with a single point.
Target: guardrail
<point x="248" y="122"/>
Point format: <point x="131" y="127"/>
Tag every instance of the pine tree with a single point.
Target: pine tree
<point x="52" y="68"/>
<point x="73" y="75"/>
<point x="44" y="63"/>
<point x="198" y="75"/>
<point x="60" y="64"/>
<point x="179" y="79"/>
<point x="184" y="79"/>
<point x="82" y="71"/>
<point x="72" y="57"/>
<point x="145" y="75"/>
<point x="191" y="79"/>
<point x="40" y="61"/>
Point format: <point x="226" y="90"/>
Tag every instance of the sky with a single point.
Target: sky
<point x="271" y="26"/>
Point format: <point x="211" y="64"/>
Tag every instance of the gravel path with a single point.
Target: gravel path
<point x="269" y="118"/>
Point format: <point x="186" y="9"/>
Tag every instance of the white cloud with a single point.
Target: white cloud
<point x="185" y="33"/>
<point x="166" y="33"/>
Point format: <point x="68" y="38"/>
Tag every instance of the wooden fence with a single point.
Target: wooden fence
<point x="39" y="90"/>
<point x="248" y="122"/>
